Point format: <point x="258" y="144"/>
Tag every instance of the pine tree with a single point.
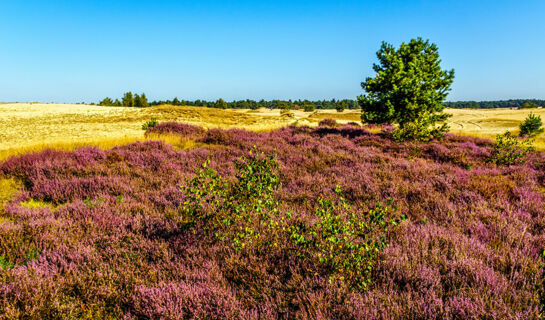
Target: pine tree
<point x="409" y="89"/>
<point x="128" y="100"/>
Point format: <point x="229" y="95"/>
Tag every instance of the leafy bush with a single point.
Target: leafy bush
<point x="309" y="107"/>
<point x="246" y="215"/>
<point x="532" y="126"/>
<point x="237" y="211"/>
<point x="328" y="123"/>
<point x="5" y="264"/>
<point x="346" y="242"/>
<point x="341" y="105"/>
<point x="150" y="124"/>
<point x="418" y="131"/>
<point x="508" y="149"/>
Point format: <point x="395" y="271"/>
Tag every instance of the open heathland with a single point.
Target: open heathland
<point x="31" y="127"/>
<point x="298" y="222"/>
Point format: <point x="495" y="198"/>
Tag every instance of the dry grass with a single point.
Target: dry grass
<point x="30" y="127"/>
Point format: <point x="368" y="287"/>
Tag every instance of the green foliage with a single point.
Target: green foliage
<point x="508" y="149"/>
<point x="531" y="126"/>
<point x="150" y="124"/>
<point x="341" y="105"/>
<point x="5" y="264"/>
<point x="245" y="215"/>
<point x="140" y="101"/>
<point x="418" y="131"/>
<point x="93" y="203"/>
<point x="128" y="100"/>
<point x="221" y="104"/>
<point x="409" y="88"/>
<point x="344" y="241"/>
<point x="528" y="105"/>
<point x="309" y="107"/>
<point x="106" y="102"/>
<point x="238" y="211"/>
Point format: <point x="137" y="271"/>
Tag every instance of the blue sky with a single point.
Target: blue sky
<point x="71" y="51"/>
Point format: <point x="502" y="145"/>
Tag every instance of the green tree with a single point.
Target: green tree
<point x="144" y="100"/>
<point x="117" y="103"/>
<point x="309" y="107"/>
<point x="106" y="102"/>
<point x="340" y="106"/>
<point x="532" y="126"/>
<point x="128" y="100"/>
<point x="221" y="104"/>
<point x="175" y="102"/>
<point x="409" y="89"/>
<point x="137" y="101"/>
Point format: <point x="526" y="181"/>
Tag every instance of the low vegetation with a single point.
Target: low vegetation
<point x="531" y="126"/>
<point x="325" y="222"/>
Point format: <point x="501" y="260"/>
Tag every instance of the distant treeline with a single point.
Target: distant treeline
<point x="140" y="101"/>
<point x="514" y="103"/>
<point x="134" y="100"/>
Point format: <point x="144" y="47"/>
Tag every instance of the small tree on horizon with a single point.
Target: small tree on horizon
<point x="409" y="88"/>
<point x="144" y="100"/>
<point x="221" y="104"/>
<point x="128" y="100"/>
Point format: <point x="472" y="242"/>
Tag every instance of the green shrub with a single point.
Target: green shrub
<point x="150" y="124"/>
<point x="309" y="107"/>
<point x="508" y="149"/>
<point x="236" y="211"/>
<point x="245" y="215"/>
<point x="418" y="131"/>
<point x="5" y="264"/>
<point x="345" y="242"/>
<point x="531" y="126"/>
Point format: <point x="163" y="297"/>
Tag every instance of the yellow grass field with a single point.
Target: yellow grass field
<point x="28" y="127"/>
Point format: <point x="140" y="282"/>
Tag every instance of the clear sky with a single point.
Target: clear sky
<point x="72" y="51"/>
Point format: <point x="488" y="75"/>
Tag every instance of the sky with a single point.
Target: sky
<point x="75" y="51"/>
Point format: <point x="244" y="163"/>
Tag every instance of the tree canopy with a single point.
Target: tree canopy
<point x="409" y="87"/>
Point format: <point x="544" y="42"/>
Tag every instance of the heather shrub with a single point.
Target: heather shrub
<point x="123" y="244"/>
<point x="328" y="123"/>
<point x="509" y="150"/>
<point x="150" y="124"/>
<point x="542" y="289"/>
<point x="177" y="128"/>
<point x="531" y="126"/>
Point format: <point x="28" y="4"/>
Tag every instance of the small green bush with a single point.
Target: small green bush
<point x="418" y="131"/>
<point x="531" y="126"/>
<point x="508" y="149"/>
<point x="309" y="107"/>
<point x="5" y="264"/>
<point x="345" y="242"/>
<point x="237" y="211"/>
<point x="150" y="124"/>
<point x="245" y="215"/>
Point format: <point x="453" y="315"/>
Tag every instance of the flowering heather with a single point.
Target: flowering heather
<point x="182" y="129"/>
<point x="107" y="236"/>
<point x="328" y="122"/>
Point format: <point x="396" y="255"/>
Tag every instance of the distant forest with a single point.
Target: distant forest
<point x="140" y="101"/>
<point x="514" y="103"/>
